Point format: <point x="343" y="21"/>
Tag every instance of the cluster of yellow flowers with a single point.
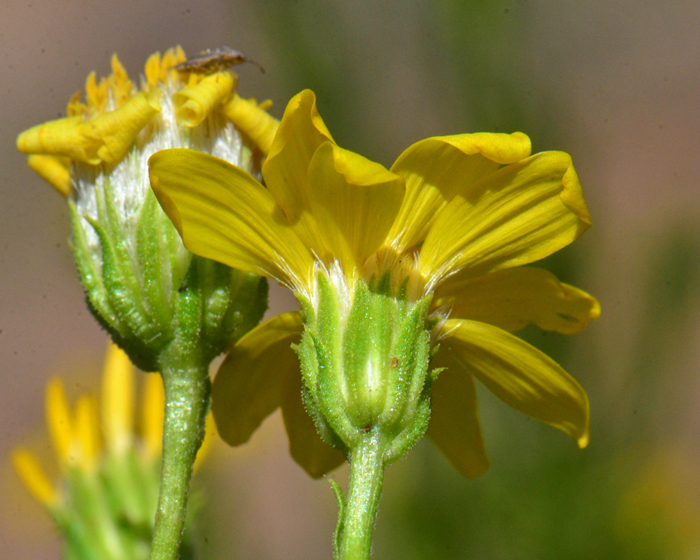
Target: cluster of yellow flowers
<point x="410" y="279"/>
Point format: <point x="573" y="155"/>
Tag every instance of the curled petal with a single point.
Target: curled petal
<point x="436" y="169"/>
<point x="109" y="136"/>
<point x="253" y="120"/>
<point x="106" y="138"/>
<point x="520" y="375"/>
<point x="54" y="170"/>
<point x="223" y="214"/>
<point x="251" y="381"/>
<point x="517" y="215"/>
<point x="354" y="202"/>
<point x="61" y="137"/>
<point x="514" y="298"/>
<point x="193" y="104"/>
<point x="454" y="420"/>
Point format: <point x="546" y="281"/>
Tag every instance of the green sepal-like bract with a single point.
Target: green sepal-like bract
<point x="365" y="366"/>
<point x="138" y="277"/>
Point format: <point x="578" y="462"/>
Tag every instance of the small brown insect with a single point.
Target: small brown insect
<point x="211" y="61"/>
<point x="394" y="363"/>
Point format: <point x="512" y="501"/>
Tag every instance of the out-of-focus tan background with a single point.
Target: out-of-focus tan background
<point x="613" y="83"/>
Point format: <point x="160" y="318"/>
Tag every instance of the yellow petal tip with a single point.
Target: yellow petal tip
<point x="32" y="475"/>
<point x="584" y="440"/>
<point x="572" y="196"/>
<point x="165" y="201"/>
<point x="53" y="170"/>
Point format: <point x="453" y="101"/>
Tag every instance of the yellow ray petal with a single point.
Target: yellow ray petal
<point x="153" y="411"/>
<point x="54" y="170"/>
<point x="253" y="120"/>
<point x="514" y="298"/>
<point x="285" y="170"/>
<point x="193" y="104"/>
<point x="354" y="202"/>
<point x="61" y="137"/>
<point x="58" y="420"/>
<point x="249" y="384"/>
<point x="87" y="433"/>
<point x="32" y="475"/>
<point x="436" y="169"/>
<point x="108" y="137"/>
<point x="517" y="215"/>
<point x="454" y="419"/>
<point x="222" y="213"/>
<point x="118" y="400"/>
<point x="300" y="133"/>
<point x="520" y="375"/>
<point x="307" y="448"/>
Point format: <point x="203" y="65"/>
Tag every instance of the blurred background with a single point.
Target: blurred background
<point x="613" y="83"/>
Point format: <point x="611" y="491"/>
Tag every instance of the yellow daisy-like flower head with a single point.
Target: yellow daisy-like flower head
<point x="410" y="279"/>
<point x="107" y="489"/>
<point x="130" y="258"/>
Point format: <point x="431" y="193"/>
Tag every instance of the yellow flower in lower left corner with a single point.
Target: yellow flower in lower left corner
<point x="107" y="489"/>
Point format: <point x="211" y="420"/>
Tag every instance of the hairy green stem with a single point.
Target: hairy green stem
<point x="364" y="491"/>
<point x="187" y="400"/>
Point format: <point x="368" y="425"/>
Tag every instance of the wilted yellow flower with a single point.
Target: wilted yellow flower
<point x="444" y="230"/>
<point x="130" y="258"/>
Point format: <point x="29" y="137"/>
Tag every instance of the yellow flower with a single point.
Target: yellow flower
<point x="130" y="258"/>
<point x="109" y="472"/>
<point x="447" y="224"/>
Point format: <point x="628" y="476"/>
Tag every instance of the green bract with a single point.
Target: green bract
<point x="145" y="297"/>
<point x="365" y="368"/>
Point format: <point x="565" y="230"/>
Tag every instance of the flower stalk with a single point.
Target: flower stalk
<point x="184" y="368"/>
<point x="359" y="509"/>
<point x="187" y="396"/>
